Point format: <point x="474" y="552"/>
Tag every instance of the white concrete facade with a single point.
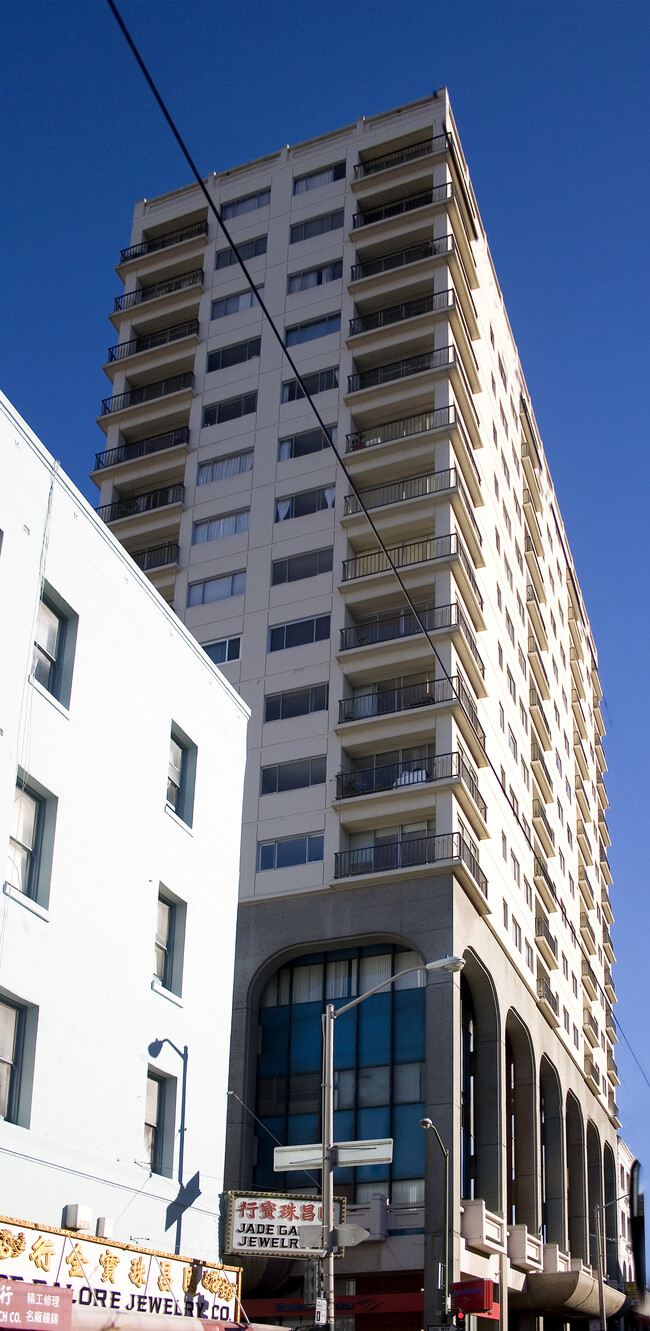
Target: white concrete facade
<point x="79" y="907"/>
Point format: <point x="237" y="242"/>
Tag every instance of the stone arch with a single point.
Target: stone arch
<point x="594" y="1188"/>
<point x="521" y="1132"/>
<point x="576" y="1180"/>
<point x="481" y="1085"/>
<point x="612" y="1268"/>
<point x="552" y="1153"/>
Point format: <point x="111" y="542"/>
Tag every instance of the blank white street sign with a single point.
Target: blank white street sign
<point x="310" y="1156"/>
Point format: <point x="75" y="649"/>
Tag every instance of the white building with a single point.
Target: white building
<point x="119" y="821"/>
<point x="423" y="779"/>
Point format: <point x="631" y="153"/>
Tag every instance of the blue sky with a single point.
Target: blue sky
<point x="551" y="104"/>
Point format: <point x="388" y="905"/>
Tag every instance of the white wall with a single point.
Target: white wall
<point x="86" y="961"/>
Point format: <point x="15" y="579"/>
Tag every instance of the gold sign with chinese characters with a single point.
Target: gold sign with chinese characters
<point x="272" y="1222"/>
<point x="115" y="1275"/>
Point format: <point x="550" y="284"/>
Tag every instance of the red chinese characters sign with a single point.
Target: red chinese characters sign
<point x="23" y="1305"/>
<point x="271" y="1222"/>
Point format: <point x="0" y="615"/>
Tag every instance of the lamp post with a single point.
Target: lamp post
<point x="427" y="1124"/>
<point x="329" y="1017"/>
<point x="600" y="1253"/>
<point x="154" y="1050"/>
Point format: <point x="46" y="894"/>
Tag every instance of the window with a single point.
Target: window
<point x="307" y="278"/>
<point x="528" y="894"/>
<point x="516" y="934"/>
<point x="181" y="774"/>
<point x="505" y="913"/>
<point x="221" y="468"/>
<point x="516" y="870"/>
<point x="295" y="775"/>
<point x="504" y="420"/>
<point x="512" y="743"/>
<point x="502" y="717"/>
<point x="169" y="943"/>
<point x="309" y="441"/>
<point x="215" y="529"/>
<point x="500" y="655"/>
<point x="316" y="226"/>
<point x="499" y="597"/>
<point x="227" y="649"/>
<point x="324" y="176"/>
<point x="241" y="300"/>
<point x="159" y="1124"/>
<point x="54" y="645"/>
<point x="502" y="372"/>
<point x="216" y="589"/>
<point x="565" y="966"/>
<point x="523" y="717"/>
<point x="296" y="567"/>
<point x="304" y="503"/>
<point x="576" y="1037"/>
<point x="525" y="774"/>
<point x="520" y="607"/>
<point x="237" y="207"/>
<point x="508" y="571"/>
<point x="506" y="519"/>
<point x="566" y="1019"/>
<point x="31" y="841"/>
<point x="290" y="851"/>
<point x="319" y="382"/>
<point x="296" y="702"/>
<point x="299" y="633"/>
<point x="517" y="508"/>
<point x="510" y="628"/>
<point x="512" y="690"/>
<point x="248" y="249"/>
<point x="230" y="410"/>
<point x="522" y="660"/>
<point x="574" y="985"/>
<point x="519" y="557"/>
<point x="233" y="355"/>
<point x="530" y="960"/>
<point x="504" y="846"/>
<point x="313" y="328"/>
<point x="11" y="1024"/>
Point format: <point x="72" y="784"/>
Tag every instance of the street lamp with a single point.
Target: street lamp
<point x="154" y="1050"/>
<point x="600" y="1253"/>
<point x="329" y="1017"/>
<point x="427" y="1124"/>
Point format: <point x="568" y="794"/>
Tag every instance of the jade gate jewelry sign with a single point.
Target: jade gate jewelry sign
<point x="117" y="1276"/>
<point x="272" y="1222"/>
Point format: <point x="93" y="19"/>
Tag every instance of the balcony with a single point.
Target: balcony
<point x="537" y="667"/>
<point x="169" y="287"/>
<point x="589" y="980"/>
<point x="586" y="890"/>
<point x="435" y="549"/>
<point x="590" y="1028"/>
<point x="541" y="771"/>
<point x="150" y="341"/>
<point x="403" y="776"/>
<point x="532" y="472"/>
<point x="387" y="263"/>
<point x="606" y="905"/>
<point x="427" y="486"/>
<point x="412" y="433"/>
<point x="402" y="369"/>
<point x="612" y="1070"/>
<point x="144" y="503"/>
<point x="543" y="827"/>
<point x="548" y="1001"/>
<point x="579" y="719"/>
<point x="610" y="1023"/>
<point x="140" y="448"/>
<point x="484" y="1231"/>
<point x="587" y="933"/>
<point x="544" y="884"/>
<point x="582" y="797"/>
<point x="533" y="527"/>
<point x="536" y="616"/>
<point x="576" y="671"/>
<point x="439" y="194"/>
<point x="584" y="842"/>
<point x="546" y="943"/>
<point x="609" y="985"/>
<point x="401" y="156"/>
<point x="603" y="829"/>
<point x="540" y="718"/>
<point x="605" y="871"/>
<point x="602" y="791"/>
<point x="591" y="1072"/>
<point x="153" y="244"/>
<point x="409" y="854"/>
<point x="600" y="753"/>
<point x="409" y="309"/>
<point x="135" y="397"/>
<point x="613" y="1109"/>
<point x="384" y="702"/>
<point x="385" y="629"/>
<point x="534" y="569"/>
<point x="376" y="333"/>
<point x="579" y="754"/>
<point x="525" y="1250"/>
<point x="158" y="556"/>
<point x="608" y="945"/>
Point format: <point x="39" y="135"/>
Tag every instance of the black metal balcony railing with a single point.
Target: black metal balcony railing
<point x="533" y="650"/>
<point x="542" y="931"/>
<point x="545" y="993"/>
<point x="404" y="625"/>
<point x="147" y="392"/>
<point x="589" y="1022"/>
<point x="402" y="369"/>
<point x="589" y="974"/>
<point x="540" y="812"/>
<point x="157" y="556"/>
<point x="591" y="1070"/>
<point x="439" y="194"/>
<point x="585" y="928"/>
<point x="417" y="552"/>
<point x="536" y="702"/>
<point x="145" y="503"/>
<point x="130" y="298"/>
<point x="429" y="249"/>
<point x="413" y="487"/>
<point x="407" y="854"/>
<point x="401" y="156"/>
<point x="537" y="756"/>
<point x="540" y="871"/>
<point x="408" y="309"/>
<point x="413" y="772"/>
<point x="423" y="694"/>
<point x="155" y="243"/>
<point x="148" y="341"/>
<point x="403" y="428"/>
<point x="140" y="448"/>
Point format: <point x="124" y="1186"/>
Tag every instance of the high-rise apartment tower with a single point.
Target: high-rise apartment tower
<point x="425" y="776"/>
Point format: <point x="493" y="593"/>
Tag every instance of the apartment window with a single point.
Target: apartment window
<point x="566" y="745"/>
<point x="296" y="702"/>
<point x="324" y="176"/>
<point x="525" y="774"/>
<point x="512" y="743"/>
<point x="516" y="869"/>
<point x="556" y="711"/>
<point x="505" y="913"/>
<point x="508" y="572"/>
<point x="562" y="863"/>
<point x="502" y="717"/>
<point x="516" y="934"/>
<point x="159" y="1124"/>
<point x="31" y="841"/>
<point x="523" y="717"/>
<point x="496" y="478"/>
<point x="296" y="567"/>
<point x="237" y="207"/>
<point x="504" y="420"/>
<point x="522" y="661"/>
<point x="169" y="943"/>
<point x="512" y="690"/>
<point x="226" y="649"/>
<point x="565" y="965"/>
<point x="504" y="846"/>
<point x="553" y="625"/>
<point x="556" y="673"/>
<point x="248" y="249"/>
<point x="517" y="508"/>
<point x="215" y="529"/>
<point x="500" y="655"/>
<point x="566" y="1019"/>
<point x="525" y="827"/>
<point x="528" y="894"/>
<point x="514" y="801"/>
<point x="308" y="278"/>
<point x="221" y="468"/>
<point x="318" y="382"/>
<point x="576" y="1037"/>
<point x="491" y="336"/>
<point x="505" y="469"/>
<point x="519" y="557"/>
<point x="236" y="354"/>
<point x="530" y="960"/>
<point x="295" y="775"/>
<point x="510" y="628"/>
<point x="316" y="226"/>
<point x="572" y="886"/>
<point x="11" y="1031"/>
<point x="216" y="589"/>
<point x="240" y="300"/>
<point x="308" y="441"/>
<point x="497" y="540"/>
<point x="312" y="329"/>
<point x="502" y="372"/>
<point x="574" y="985"/>
<point x="499" y="597"/>
<point x="181" y="774"/>
<point x="520" y="607"/>
<point x="230" y="410"/>
<point x="493" y="384"/>
<point x="290" y="851"/>
<point x="506" y="519"/>
<point x="299" y="633"/>
<point x="306" y="502"/>
<point x="558" y="762"/>
<point x="54" y="645"/>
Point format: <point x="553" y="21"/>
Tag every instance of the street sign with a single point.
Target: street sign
<point x="347" y="1236"/>
<point x="373" y="1152"/>
<point x="321" y="1312"/>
